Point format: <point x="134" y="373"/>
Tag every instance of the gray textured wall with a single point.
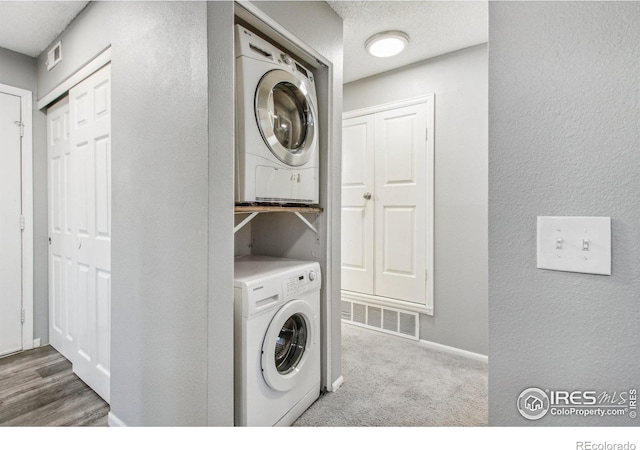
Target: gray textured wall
<point x="221" y="198"/>
<point x="160" y="202"/>
<point x="459" y="81"/>
<point x="286" y="236"/>
<point x="19" y="71"/>
<point x="564" y="112"/>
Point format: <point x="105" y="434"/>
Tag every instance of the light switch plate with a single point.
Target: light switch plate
<point x="575" y="244"/>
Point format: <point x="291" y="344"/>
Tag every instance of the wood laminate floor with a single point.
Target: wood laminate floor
<point x="38" y="388"/>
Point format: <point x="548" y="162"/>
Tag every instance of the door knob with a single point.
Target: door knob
<point x="367" y="195"/>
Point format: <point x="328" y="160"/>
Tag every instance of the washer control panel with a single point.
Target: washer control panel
<point x="302" y="282"/>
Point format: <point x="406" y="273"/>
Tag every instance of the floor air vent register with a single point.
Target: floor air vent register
<point x="381" y="318"/>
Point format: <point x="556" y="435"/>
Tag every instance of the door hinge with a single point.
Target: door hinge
<point x="21" y="125"/>
<point x="426" y="275"/>
<point x="22" y="223"/>
<point x="426" y="134"/>
<point x="22" y="315"/>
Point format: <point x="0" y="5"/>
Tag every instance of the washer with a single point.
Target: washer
<point x="277" y="339"/>
<point x="277" y="157"/>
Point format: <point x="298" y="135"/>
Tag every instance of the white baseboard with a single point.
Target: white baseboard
<point x="336" y="384"/>
<point x="36" y="343"/>
<point x="114" y="421"/>
<point x="454" y="351"/>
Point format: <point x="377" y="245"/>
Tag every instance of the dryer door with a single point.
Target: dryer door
<point x="286" y="116"/>
<point x="287" y="344"/>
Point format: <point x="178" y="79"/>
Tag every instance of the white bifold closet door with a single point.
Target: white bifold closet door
<point x="386" y="196"/>
<point x="61" y="255"/>
<point x="79" y="154"/>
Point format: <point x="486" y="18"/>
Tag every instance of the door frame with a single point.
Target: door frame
<point x="26" y="104"/>
<point x="429" y="100"/>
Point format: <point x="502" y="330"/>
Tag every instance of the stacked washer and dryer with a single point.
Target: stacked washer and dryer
<point x="277" y="300"/>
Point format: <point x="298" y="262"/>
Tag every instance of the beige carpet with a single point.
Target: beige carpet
<point x="391" y="381"/>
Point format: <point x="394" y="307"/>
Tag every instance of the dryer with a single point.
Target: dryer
<point x="277" y="339"/>
<point x="277" y="136"/>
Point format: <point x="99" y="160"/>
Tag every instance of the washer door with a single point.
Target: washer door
<point x="286" y="116"/>
<point x="286" y="345"/>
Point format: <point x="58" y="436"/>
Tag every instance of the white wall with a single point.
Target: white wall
<point x="564" y="140"/>
<point x="459" y="81"/>
<point x="19" y="71"/>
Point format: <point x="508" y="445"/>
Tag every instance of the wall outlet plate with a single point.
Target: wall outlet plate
<point x="575" y="244"/>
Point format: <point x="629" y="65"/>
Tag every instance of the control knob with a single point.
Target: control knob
<point x="285" y="58"/>
<point x="312" y="275"/>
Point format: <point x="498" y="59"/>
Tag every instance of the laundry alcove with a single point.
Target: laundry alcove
<point x="304" y="233"/>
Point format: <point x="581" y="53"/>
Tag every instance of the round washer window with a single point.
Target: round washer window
<point x="290" y="344"/>
<point x="290" y="111"/>
<point x="286" y="116"/>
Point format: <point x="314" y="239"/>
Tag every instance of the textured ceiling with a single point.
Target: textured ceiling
<point x="434" y="28"/>
<point x="29" y="27"/>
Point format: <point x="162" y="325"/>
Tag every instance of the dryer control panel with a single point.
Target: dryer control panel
<point x="302" y="282"/>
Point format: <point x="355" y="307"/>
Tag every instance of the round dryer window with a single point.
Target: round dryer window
<point x="286" y="345"/>
<point x="286" y="116"/>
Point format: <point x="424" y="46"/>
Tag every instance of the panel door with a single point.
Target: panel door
<point x="10" y="231"/>
<point x="90" y="122"/>
<point x="62" y="332"/>
<point x="401" y="203"/>
<point x="357" y="204"/>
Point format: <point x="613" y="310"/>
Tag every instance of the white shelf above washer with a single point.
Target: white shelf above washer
<point x="253" y="211"/>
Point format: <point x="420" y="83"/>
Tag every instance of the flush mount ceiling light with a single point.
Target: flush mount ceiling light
<point x="387" y="43"/>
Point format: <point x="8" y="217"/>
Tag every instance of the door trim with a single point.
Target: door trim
<point x="26" y="104"/>
<point x="83" y="73"/>
<point x="386" y="301"/>
<point x="391" y="105"/>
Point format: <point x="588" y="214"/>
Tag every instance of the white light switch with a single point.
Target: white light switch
<point x="575" y="244"/>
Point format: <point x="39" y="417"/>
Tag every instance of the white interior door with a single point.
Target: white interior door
<point x="90" y="118"/>
<point x="401" y="203"/>
<point x="61" y="233"/>
<point x="10" y="229"/>
<point x="80" y="227"/>
<point x="357" y="205"/>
